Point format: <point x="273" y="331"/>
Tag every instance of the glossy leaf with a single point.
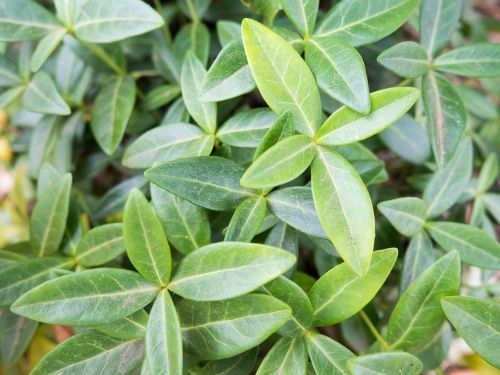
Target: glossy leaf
<point x="246" y="220"/>
<point x="407" y="215"/>
<point x="386" y="363"/>
<point x="339" y="71"/>
<point x="145" y="240"/>
<point x="111" y="112"/>
<point x="488" y="173"/>
<point x="287" y="356"/>
<point x="222" y="329"/>
<point x="45" y="48"/>
<point x="100" y="245"/>
<point x="128" y="328"/>
<point x="341" y="293"/>
<point x="86" y="298"/>
<point x="480" y="60"/>
<point x="302" y="13"/>
<point x="16" y="333"/>
<point x="344" y="208"/>
<point x="419" y="256"/>
<point x="42" y="96"/>
<point x="327" y="356"/>
<point x="160" y="96"/>
<point x="283" y="78"/>
<point x="347" y="126"/>
<point x="282" y="128"/>
<point x="228" y="269"/>
<point x="406" y="59"/>
<point x="238" y="365"/>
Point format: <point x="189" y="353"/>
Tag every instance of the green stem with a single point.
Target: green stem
<point x="406" y="82"/>
<point x="192" y="11"/>
<point x="107" y="59"/>
<point x="165" y="28"/>
<point x="144" y="73"/>
<point x="374" y="331"/>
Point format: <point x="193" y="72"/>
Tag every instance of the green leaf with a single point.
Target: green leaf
<point x="295" y="206"/>
<point x="48" y="219"/>
<point x="282" y="76"/>
<point x="111" y="22"/>
<point x="341" y="293"/>
<point x="418" y="314"/>
<point x="286" y="238"/>
<point x="348" y="126"/>
<point x="194" y="9"/>
<point x="419" y="256"/>
<point x="111" y="112"/>
<point x="327" y="356"/>
<point x="438" y="21"/>
<point x="166" y="143"/>
<point x="246" y="220"/>
<point x="339" y="71"/>
<point x="192" y="38"/>
<point x="446" y="186"/>
<point x="25" y="20"/>
<point x="406" y="59"/>
<point x="478" y="323"/>
<point x="128" y="328"/>
<point x="492" y="202"/>
<point x="302" y="13"/>
<point x="446" y="117"/>
<point x="222" y="329"/>
<point x="407" y="214"/>
<point x="86" y="298"/>
<point x="8" y="73"/>
<point x="192" y="77"/>
<point x="287" y="356"/>
<point x="282" y="163"/>
<point x="186" y="225"/>
<point x="386" y="363"/>
<point x="344" y="208"/>
<point x="45" y="48"/>
<point x="100" y="245"/>
<point x="474" y="245"/>
<point x="266" y="8"/>
<point x="281" y="129"/>
<point x="16" y="333"/>
<point x="238" y="365"/>
<point x="19" y="278"/>
<point x="228" y="269"/>
<point x="92" y="352"/>
<point x="229" y="76"/>
<point x="42" y="96"/>
<point x="11" y="95"/>
<point x="160" y="96"/>
<point x="145" y="240"/>
<point x="66" y="10"/>
<point x="479" y="60"/>
<point x="246" y="128"/>
<point x="302" y="312"/>
<point x="207" y="181"/>
<point x="163" y="338"/>
<point x="361" y="22"/>
<point x="227" y="32"/>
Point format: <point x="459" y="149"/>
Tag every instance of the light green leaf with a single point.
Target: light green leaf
<point x="361" y="22"/>
<point x="66" y="10"/>
<point x="286" y="238"/>
<point x="344" y="208"/>
<point x="194" y="9"/>
<point x="478" y="60"/>
<point x="446" y="186"/>
<point x="446" y="117"/>
<point x="223" y="329"/>
<point x="281" y="129"/>
<point x="406" y="214"/>
<point x="145" y="240"/>
<point x="192" y="77"/>
<point x="246" y="220"/>
<point x="302" y="13"/>
<point x="386" y="363"/>
<point x="281" y="163"/>
<point x="100" y="245"/>
<point x="347" y="126"/>
<point x="302" y="312"/>
<point x="48" y="219"/>
<point x="16" y="333"/>
<point x="8" y="73"/>
<point x="438" y="21"/>
<point x="474" y="245"/>
<point x="229" y="76"/>
<point x="327" y="356"/>
<point x="406" y="59"/>
<point x="163" y="338"/>
<point x="111" y="112"/>
<point x="45" y="48"/>
<point x="186" y="225"/>
<point x="128" y="328"/>
<point x="86" y="298"/>
<point x="228" y="269"/>
<point x="418" y="314"/>
<point x="341" y="293"/>
<point x="492" y="202"/>
<point x="19" y="278"/>
<point x="246" y="128"/>
<point x="419" y="256"/>
<point x="42" y="96"/>
<point x="160" y="96"/>
<point x="11" y="95"/>
<point x="488" y="173"/>
<point x="166" y="143"/>
<point x="287" y="356"/>
<point x="295" y="206"/>
<point x="25" y="20"/>
<point x="227" y="32"/>
<point x="339" y="71"/>
<point x="92" y="352"/>
<point x="192" y="38"/>
<point x="207" y="181"/>
<point x="478" y="323"/>
<point x="100" y="22"/>
<point x="282" y="76"/>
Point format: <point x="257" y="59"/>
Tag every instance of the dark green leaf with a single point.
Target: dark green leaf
<point x="16" y="333"/>
<point x="281" y="129"/>
<point x="287" y="356"/>
<point x="419" y="256"/>
<point x="246" y="220"/>
<point x="327" y="356"/>
<point x="100" y="245"/>
<point x="128" y="328"/>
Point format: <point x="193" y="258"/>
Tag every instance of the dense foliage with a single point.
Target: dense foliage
<point x="195" y="182"/>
